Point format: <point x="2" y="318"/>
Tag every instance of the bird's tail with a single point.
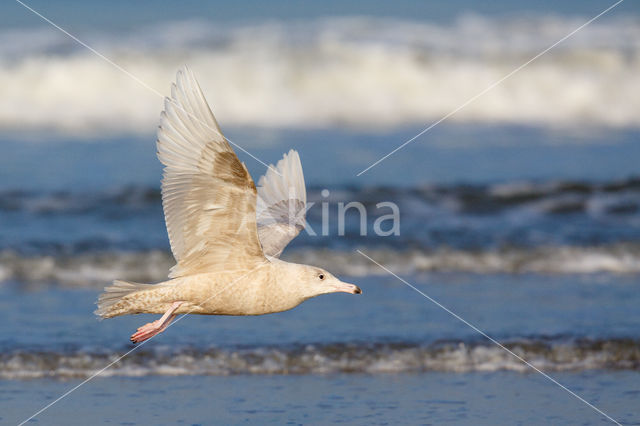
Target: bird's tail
<point x="111" y="303"/>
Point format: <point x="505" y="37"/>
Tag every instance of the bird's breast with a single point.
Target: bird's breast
<point x="236" y="294"/>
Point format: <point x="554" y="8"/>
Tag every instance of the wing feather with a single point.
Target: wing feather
<point x="208" y="195"/>
<point x="281" y="205"/>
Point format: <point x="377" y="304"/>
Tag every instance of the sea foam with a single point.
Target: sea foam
<point x="358" y="72"/>
<point x="328" y="358"/>
<point x="97" y="269"/>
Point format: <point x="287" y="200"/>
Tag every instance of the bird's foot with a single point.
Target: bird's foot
<point x="149" y="330"/>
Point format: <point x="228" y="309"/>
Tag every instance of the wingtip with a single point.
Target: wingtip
<point x="294" y="154"/>
<point x="184" y="69"/>
<point x="292" y="157"/>
<point x="184" y="73"/>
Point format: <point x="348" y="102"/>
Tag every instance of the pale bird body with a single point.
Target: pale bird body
<point x="226" y="234"/>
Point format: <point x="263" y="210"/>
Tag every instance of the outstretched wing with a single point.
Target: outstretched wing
<point x="281" y="207"/>
<point x="208" y="195"/>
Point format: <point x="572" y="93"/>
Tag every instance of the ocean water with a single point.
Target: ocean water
<point x="520" y="214"/>
<point x="498" y="398"/>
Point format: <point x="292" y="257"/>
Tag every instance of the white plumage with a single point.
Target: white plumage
<point x="281" y="204"/>
<point x="226" y="253"/>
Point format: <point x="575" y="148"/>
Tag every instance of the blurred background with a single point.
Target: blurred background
<point x="520" y="212"/>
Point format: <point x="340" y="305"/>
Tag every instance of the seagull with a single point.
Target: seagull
<point x="226" y="235"/>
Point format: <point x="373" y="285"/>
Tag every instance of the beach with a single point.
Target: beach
<point x="519" y="217"/>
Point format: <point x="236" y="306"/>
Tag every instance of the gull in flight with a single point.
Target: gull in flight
<point x="226" y="235"/>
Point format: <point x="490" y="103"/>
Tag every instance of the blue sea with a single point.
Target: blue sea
<point x="520" y="213"/>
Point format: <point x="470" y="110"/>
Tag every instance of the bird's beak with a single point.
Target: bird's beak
<point x="347" y="288"/>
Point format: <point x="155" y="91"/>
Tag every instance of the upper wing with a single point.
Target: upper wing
<point x="208" y="195"/>
<point x="281" y="208"/>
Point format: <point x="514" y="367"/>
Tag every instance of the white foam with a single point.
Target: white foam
<point x="615" y="259"/>
<point x="98" y="269"/>
<point x="370" y="358"/>
<point x="357" y="72"/>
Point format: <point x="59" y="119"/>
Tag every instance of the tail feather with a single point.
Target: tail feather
<point x="108" y="305"/>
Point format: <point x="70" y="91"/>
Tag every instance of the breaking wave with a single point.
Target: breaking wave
<point x="554" y="227"/>
<point x="369" y="358"/>
<point x="617" y="259"/>
<point x="361" y="72"/>
<point x="555" y="197"/>
<point x="97" y="269"/>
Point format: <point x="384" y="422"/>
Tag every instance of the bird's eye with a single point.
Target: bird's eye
<point x="321" y="276"/>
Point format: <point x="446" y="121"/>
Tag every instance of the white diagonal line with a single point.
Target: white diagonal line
<point x="142" y="83"/>
<point x="67" y="393"/>
<point x="491" y="86"/>
<point x="500" y="345"/>
<point x="64" y="395"/>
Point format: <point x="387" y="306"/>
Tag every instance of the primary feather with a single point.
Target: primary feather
<point x="281" y="204"/>
<point x="208" y="195"/>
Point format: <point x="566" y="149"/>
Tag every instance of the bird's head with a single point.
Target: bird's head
<point x="313" y="281"/>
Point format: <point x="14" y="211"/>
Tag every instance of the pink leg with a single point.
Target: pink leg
<point x="149" y="330"/>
